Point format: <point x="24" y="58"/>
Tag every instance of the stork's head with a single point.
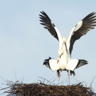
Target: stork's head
<point x="64" y="40"/>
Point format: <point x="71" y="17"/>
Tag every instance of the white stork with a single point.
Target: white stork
<point x="64" y="61"/>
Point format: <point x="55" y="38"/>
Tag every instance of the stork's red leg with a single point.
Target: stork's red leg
<point x="59" y="78"/>
<point x="68" y="77"/>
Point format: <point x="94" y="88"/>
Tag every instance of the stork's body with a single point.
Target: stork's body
<point x="64" y="61"/>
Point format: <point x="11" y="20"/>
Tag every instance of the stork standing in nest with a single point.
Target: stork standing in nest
<point x="64" y="61"/>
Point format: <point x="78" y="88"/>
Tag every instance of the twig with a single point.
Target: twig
<point x="4" y="88"/>
<point x="92" y="82"/>
<point x="63" y="81"/>
<point x="45" y="79"/>
<point x="54" y="79"/>
<point x="2" y="79"/>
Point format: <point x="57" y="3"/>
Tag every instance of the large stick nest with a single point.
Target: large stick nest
<point x="42" y="89"/>
<point x="47" y="89"/>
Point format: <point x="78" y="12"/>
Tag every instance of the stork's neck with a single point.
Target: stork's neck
<point x="66" y="46"/>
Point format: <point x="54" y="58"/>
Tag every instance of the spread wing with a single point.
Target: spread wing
<point x="85" y="25"/>
<point x="46" y="21"/>
<point x="49" y="25"/>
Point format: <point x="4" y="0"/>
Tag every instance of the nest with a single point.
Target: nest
<point x="42" y="89"/>
<point x="47" y="89"/>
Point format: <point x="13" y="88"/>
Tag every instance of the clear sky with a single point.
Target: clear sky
<point x="24" y="43"/>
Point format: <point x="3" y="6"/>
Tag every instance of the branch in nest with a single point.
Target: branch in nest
<point x="48" y="81"/>
<point x="92" y="82"/>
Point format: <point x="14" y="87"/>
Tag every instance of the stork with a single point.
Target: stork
<point x="64" y="61"/>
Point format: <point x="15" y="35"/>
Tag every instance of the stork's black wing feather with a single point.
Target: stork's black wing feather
<point x="81" y="63"/>
<point x="46" y="21"/>
<point x="86" y="24"/>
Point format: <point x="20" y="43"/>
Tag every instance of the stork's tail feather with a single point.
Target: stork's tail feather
<point x="81" y="63"/>
<point x="72" y="73"/>
<point x="46" y="62"/>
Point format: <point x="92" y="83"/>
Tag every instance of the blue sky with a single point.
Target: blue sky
<point x="24" y="43"/>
